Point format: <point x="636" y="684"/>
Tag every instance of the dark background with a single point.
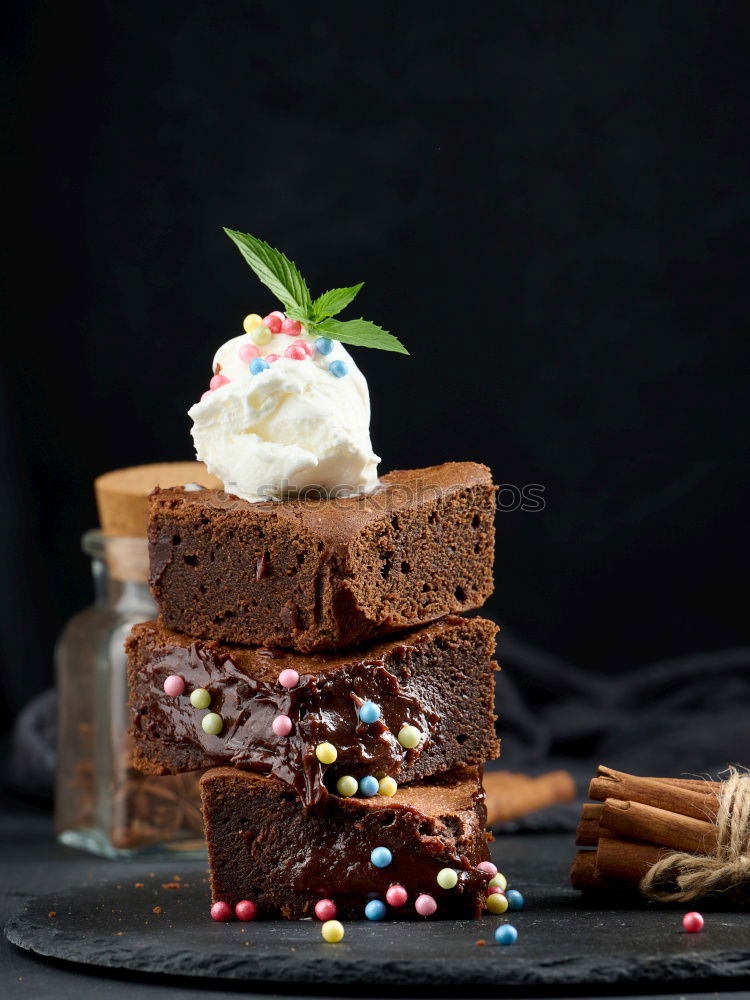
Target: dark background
<point x="548" y="202"/>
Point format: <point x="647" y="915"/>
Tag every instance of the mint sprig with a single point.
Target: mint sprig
<point x="283" y="278"/>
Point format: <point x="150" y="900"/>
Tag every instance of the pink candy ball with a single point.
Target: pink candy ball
<point x="247" y="352"/>
<point x="245" y="910"/>
<point x="296" y="352"/>
<point x="218" y="381"/>
<point x="282" y="725"/>
<point x="289" y="678"/>
<point x="221" y="911"/>
<point x="396" y="895"/>
<point x="495" y="888"/>
<point x="174" y="686"/>
<point x="273" y="322"/>
<point x="270" y="358"/>
<point x="325" y="909"/>
<point x="487" y="866"/>
<point x="291" y="327"/>
<point x="693" y="922"/>
<point x="425" y="905"/>
<point x="279" y="313"/>
<point x="205" y="395"/>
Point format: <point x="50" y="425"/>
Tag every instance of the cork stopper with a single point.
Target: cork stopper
<point x="122" y="495"/>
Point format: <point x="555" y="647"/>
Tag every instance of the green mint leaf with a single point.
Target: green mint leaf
<point x="360" y="333"/>
<point x="274" y="270"/>
<point x="303" y="316"/>
<point x="331" y="303"/>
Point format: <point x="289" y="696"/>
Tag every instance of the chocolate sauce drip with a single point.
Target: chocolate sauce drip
<point x="323" y="708"/>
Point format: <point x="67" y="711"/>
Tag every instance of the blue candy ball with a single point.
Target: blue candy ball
<point x="338" y="368"/>
<point x="375" y="910"/>
<point x="323" y="345"/>
<point x="381" y="857"/>
<point x="258" y="365"/>
<point x="369" y="712"/>
<point x="506" y="934"/>
<point x="515" y="899"/>
<point x="368" y="786"/>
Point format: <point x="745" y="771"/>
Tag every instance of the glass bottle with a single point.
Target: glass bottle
<point x="102" y="804"/>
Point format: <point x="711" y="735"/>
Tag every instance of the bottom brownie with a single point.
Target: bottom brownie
<point x="264" y="846"/>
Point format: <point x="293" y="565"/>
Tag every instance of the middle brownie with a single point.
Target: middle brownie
<point x="437" y="679"/>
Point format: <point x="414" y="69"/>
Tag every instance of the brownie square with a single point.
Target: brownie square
<point x="265" y="847"/>
<point x="439" y="678"/>
<point x="315" y="574"/>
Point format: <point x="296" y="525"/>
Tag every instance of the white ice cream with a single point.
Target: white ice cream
<point x="291" y="427"/>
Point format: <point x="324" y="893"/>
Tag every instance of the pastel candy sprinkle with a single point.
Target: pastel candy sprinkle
<point x="487" y="866"/>
<point x="368" y="786"/>
<point x="296" y="352"/>
<point x="381" y="857"/>
<point x="447" y="878"/>
<point x="282" y="725"/>
<point x="257" y="365"/>
<point x="515" y="899"/>
<point x="326" y="753"/>
<point x="506" y="934"/>
<point x="396" y="895"/>
<point x="221" y="911"/>
<point x="338" y="368"/>
<point x="245" y="910"/>
<point x="251" y="321"/>
<point x="493" y="888"/>
<point x="270" y="358"/>
<point x="375" y="909"/>
<point x="291" y="327"/>
<point x="217" y="381"/>
<point x="425" y="905"/>
<point x="387" y="786"/>
<point x="496" y="903"/>
<point x="693" y="922"/>
<point x="205" y="395"/>
<point x="289" y="678"/>
<point x="323" y="345"/>
<point x="347" y="786"/>
<point x="325" y="909"/>
<point x="369" y="712"/>
<point x="261" y="335"/>
<point x="212" y="723"/>
<point x="409" y="737"/>
<point x="247" y="352"/>
<point x="174" y="685"/>
<point x="332" y="931"/>
<point x="273" y="322"/>
<point x="279" y="313"/>
<point x="499" y="880"/>
<point x="200" y="698"/>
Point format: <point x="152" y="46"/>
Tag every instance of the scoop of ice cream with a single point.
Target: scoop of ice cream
<point x="285" y="413"/>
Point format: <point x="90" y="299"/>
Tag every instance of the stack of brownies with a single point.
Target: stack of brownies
<point x="309" y="653"/>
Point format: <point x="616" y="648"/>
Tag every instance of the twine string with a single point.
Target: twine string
<point x="691" y="876"/>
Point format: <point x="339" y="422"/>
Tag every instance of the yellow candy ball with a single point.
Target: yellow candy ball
<point x="499" y="880"/>
<point x="326" y="753"/>
<point x="332" y="931"/>
<point x="387" y="786"/>
<point x="212" y="723"/>
<point x="447" y="878"/>
<point x="261" y="335"/>
<point x="200" y="698"/>
<point x="250" y="322"/>
<point x="497" y="903"/>
<point x="347" y="786"/>
<point x="409" y="737"/>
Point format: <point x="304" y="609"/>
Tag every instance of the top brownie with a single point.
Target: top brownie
<point x="313" y="574"/>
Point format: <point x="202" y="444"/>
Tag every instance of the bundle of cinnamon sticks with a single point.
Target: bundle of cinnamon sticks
<point x="636" y="821"/>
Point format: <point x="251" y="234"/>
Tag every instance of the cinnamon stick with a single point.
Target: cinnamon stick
<point x="681" y="799"/>
<point x="639" y="821"/>
<point x="587" y="833"/>
<point x="510" y="795"/>
<point x="620" y="859"/>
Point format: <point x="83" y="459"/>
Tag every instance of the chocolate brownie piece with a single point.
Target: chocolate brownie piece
<point x="438" y="678"/>
<point x="265" y="847"/>
<point x="312" y="574"/>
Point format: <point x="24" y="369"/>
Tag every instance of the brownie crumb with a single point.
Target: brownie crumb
<point x="157" y="910"/>
<point x="52" y="913"/>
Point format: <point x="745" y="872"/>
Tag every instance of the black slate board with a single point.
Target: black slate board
<point x="562" y="940"/>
